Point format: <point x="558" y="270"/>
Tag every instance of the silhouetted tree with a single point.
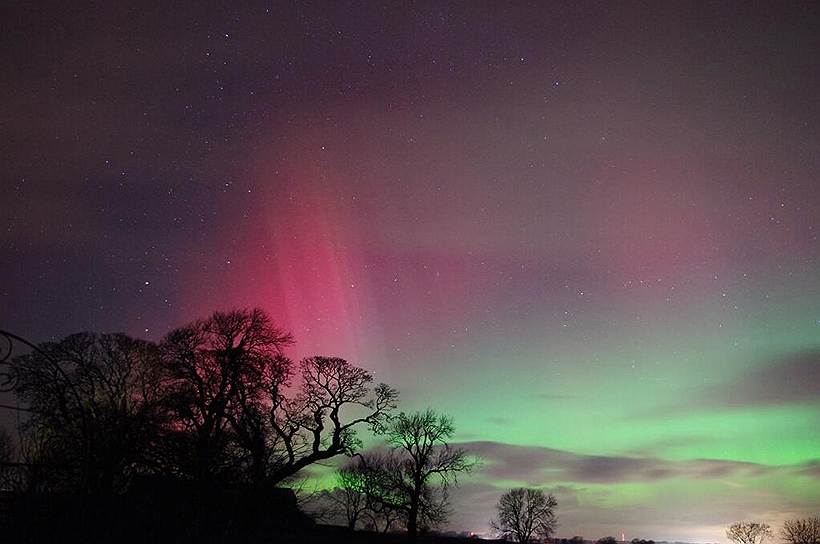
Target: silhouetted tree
<point x="413" y="478"/>
<point x="213" y="402"/>
<point x="525" y="513"/>
<point x="607" y="540"/>
<point x="375" y="481"/>
<point x="40" y="467"/>
<point x="95" y="407"/>
<point x="228" y="387"/>
<point x="320" y="422"/>
<point x="216" y="403"/>
<point x="357" y="498"/>
<point x="748" y="532"/>
<point x="217" y="368"/>
<point x="350" y="494"/>
<point x="801" y="531"/>
<point x="383" y="517"/>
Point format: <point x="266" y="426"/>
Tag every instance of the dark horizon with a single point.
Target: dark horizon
<point x="586" y="231"/>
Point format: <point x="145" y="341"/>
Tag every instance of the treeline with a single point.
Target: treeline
<point x="218" y="405"/>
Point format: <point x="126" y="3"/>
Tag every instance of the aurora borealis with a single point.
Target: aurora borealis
<point x="586" y="230"/>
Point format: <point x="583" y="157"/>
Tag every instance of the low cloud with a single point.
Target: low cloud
<point x="532" y="465"/>
<point x="591" y="504"/>
<point x="503" y="421"/>
<point x="792" y="379"/>
<point x="789" y="379"/>
<point x="812" y="468"/>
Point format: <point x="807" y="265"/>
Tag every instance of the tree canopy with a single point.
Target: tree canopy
<point x="525" y="513"/>
<point x="215" y="401"/>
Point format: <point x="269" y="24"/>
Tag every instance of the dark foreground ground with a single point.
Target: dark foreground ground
<point x="173" y="515"/>
<point x="140" y="533"/>
<point x="326" y="534"/>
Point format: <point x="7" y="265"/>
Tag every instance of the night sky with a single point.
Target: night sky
<point x="588" y="231"/>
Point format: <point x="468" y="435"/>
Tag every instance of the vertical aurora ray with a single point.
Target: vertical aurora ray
<point x="634" y="345"/>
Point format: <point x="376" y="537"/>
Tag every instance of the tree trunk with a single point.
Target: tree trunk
<point x="413" y="520"/>
<point x="259" y="471"/>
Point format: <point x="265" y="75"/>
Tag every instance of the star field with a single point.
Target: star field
<point x="588" y="231"/>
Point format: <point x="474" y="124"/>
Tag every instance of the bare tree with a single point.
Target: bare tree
<point x="414" y="477"/>
<point x="321" y="421"/>
<point x="213" y="402"/>
<point x="525" y="513"/>
<point x="215" y="366"/>
<point x="95" y="404"/>
<point x="748" y="532"/>
<point x="350" y="494"/>
<point x="229" y="385"/>
<point x="356" y="500"/>
<point x="383" y="517"/>
<point x="378" y="481"/>
<point x="801" y="531"/>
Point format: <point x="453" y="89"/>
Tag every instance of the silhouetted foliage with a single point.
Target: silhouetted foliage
<point x="219" y="370"/>
<point x="211" y="419"/>
<point x="228" y="387"/>
<point x="607" y="540"/>
<point x="383" y="517"/>
<point x="748" y="532"/>
<point x="801" y="531"/>
<point x="95" y="404"/>
<point x="385" y="505"/>
<point x="357" y="499"/>
<point x="412" y="478"/>
<point x="320" y="421"/>
<point x="351" y="494"/>
<point x="524" y="514"/>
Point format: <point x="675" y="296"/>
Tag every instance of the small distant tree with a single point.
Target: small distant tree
<point x="524" y="514"/>
<point x="641" y="541"/>
<point x="748" y="532"/>
<point x="577" y="540"/>
<point x="801" y="531"/>
<point x="607" y="540"/>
